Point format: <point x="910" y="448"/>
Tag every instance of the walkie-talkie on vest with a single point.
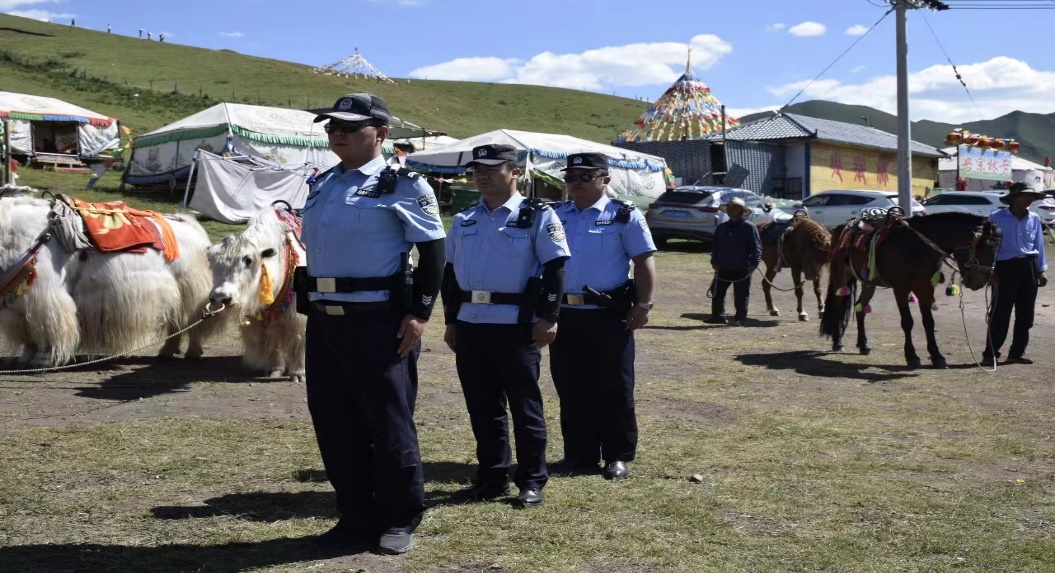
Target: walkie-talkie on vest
<point x="406" y="292"/>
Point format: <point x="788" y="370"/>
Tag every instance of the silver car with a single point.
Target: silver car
<point x="833" y="208"/>
<point x="692" y="212"/>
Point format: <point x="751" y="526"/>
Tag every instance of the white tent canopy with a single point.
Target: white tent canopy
<point x="233" y="190"/>
<point x="633" y="173"/>
<point x="48" y="125"/>
<point x="423" y="143"/>
<point x="276" y="135"/>
<point x="1021" y="170"/>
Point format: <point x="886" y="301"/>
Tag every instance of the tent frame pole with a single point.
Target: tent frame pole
<point x="190" y="178"/>
<point x="7" y="153"/>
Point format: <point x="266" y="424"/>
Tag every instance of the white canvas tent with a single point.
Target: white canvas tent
<point x="281" y="136"/>
<point x="44" y="126"/>
<point x="233" y="190"/>
<point x="1021" y="170"/>
<point x="633" y="173"/>
<point x="426" y="143"/>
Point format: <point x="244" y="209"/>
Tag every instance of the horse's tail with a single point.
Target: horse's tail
<point x="839" y="301"/>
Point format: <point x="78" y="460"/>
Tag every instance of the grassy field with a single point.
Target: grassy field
<point x="102" y="72"/>
<point x="811" y="461"/>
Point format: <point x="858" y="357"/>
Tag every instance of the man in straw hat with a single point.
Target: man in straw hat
<point x="1020" y="267"/>
<point x="735" y="255"/>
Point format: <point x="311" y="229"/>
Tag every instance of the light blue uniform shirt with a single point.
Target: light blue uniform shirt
<point x="489" y="254"/>
<point x="601" y="247"/>
<point x="1021" y="237"/>
<point x="348" y="233"/>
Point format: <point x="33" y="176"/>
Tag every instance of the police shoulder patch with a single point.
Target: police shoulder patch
<point x="556" y="231"/>
<point x="428" y="203"/>
<point x="644" y="225"/>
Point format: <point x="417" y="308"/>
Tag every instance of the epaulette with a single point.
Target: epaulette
<point x="623" y="214"/>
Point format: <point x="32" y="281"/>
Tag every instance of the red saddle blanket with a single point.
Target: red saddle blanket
<point x="115" y="227"/>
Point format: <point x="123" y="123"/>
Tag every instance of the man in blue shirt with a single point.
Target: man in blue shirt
<point x="735" y="255"/>
<point x="1020" y="267"/>
<point x="502" y="288"/>
<point x="367" y="313"/>
<point x="592" y="359"/>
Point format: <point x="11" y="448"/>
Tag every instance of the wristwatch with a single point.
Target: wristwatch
<point x="645" y="305"/>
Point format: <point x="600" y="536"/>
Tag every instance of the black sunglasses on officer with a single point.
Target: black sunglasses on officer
<point x="338" y="126"/>
<point x="570" y="177"/>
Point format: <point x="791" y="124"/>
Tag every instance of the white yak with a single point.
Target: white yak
<point x="99" y="303"/>
<point x="252" y="276"/>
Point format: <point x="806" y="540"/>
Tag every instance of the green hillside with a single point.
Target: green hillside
<point x="1036" y="132"/>
<point x="103" y="72"/>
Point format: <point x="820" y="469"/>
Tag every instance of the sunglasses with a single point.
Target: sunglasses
<point x="335" y="126"/>
<point x="581" y="177"/>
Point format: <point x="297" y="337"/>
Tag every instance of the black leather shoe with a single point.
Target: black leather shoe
<point x="616" y="470"/>
<point x="714" y="319"/>
<point x="529" y="497"/>
<point x="476" y="493"/>
<point x="1020" y="359"/>
<point x="988" y="361"/>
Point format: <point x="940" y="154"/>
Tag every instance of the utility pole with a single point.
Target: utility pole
<point x="904" y="120"/>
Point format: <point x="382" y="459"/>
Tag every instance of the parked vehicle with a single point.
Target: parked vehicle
<point x="692" y="212"/>
<point x="974" y="202"/>
<point x="833" y="208"/>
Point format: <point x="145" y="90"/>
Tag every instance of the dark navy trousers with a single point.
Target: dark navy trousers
<point x="1016" y="293"/>
<point x="498" y="365"/>
<point x="361" y="396"/>
<point x="592" y="364"/>
<point x="741" y="291"/>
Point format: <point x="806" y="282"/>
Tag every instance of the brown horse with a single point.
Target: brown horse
<point x="802" y="244"/>
<point x="908" y="261"/>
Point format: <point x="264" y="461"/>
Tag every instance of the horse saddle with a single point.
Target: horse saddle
<point x="114" y="227"/>
<point x="862" y="236"/>
<point x="771" y="232"/>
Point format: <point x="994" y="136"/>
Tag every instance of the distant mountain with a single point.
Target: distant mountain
<point x="1036" y="132"/>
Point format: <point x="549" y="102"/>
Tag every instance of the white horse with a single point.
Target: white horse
<point x="99" y="303"/>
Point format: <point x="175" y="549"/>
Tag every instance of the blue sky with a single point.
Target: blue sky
<point x="755" y="54"/>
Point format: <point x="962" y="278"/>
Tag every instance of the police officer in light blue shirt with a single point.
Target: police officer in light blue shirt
<point x="592" y="359"/>
<point x="367" y="313"/>
<point x="1020" y="267"/>
<point x="502" y="288"/>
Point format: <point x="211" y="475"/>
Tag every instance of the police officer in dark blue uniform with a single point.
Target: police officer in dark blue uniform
<point x="592" y="358"/>
<point x="367" y="311"/>
<point x="501" y="295"/>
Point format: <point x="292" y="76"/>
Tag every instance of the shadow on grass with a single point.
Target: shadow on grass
<point x="227" y="558"/>
<point x="158" y="376"/>
<point x="750" y="323"/>
<point x="813" y="363"/>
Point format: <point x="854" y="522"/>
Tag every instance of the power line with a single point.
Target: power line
<point x="954" y="70"/>
<point x="858" y="40"/>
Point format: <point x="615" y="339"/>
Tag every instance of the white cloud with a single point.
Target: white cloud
<point x="856" y="30"/>
<point x="44" y="15"/>
<point x="739" y="112"/>
<point x="776" y="27"/>
<point x="468" y="70"/>
<point x="1000" y="85"/>
<point x="640" y="64"/>
<point x="232" y="34"/>
<point x="6" y="5"/>
<point x="808" y="29"/>
<point x="858" y="69"/>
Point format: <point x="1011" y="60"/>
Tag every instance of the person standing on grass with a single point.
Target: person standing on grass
<point x="365" y="321"/>
<point x="502" y="289"/>
<point x="592" y="358"/>
<point x="1020" y="267"/>
<point x="735" y="255"/>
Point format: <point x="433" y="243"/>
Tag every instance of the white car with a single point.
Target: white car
<point x="974" y="202"/>
<point x="833" y="208"/>
<point x="692" y="212"/>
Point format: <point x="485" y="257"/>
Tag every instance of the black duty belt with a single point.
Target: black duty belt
<point x="488" y="297"/>
<point x="349" y="284"/>
<point x="334" y="308"/>
<point x="584" y="298"/>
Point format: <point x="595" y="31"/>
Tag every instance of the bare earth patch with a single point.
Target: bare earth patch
<point x="811" y="460"/>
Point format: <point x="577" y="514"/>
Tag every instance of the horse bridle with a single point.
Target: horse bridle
<point x="984" y="234"/>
